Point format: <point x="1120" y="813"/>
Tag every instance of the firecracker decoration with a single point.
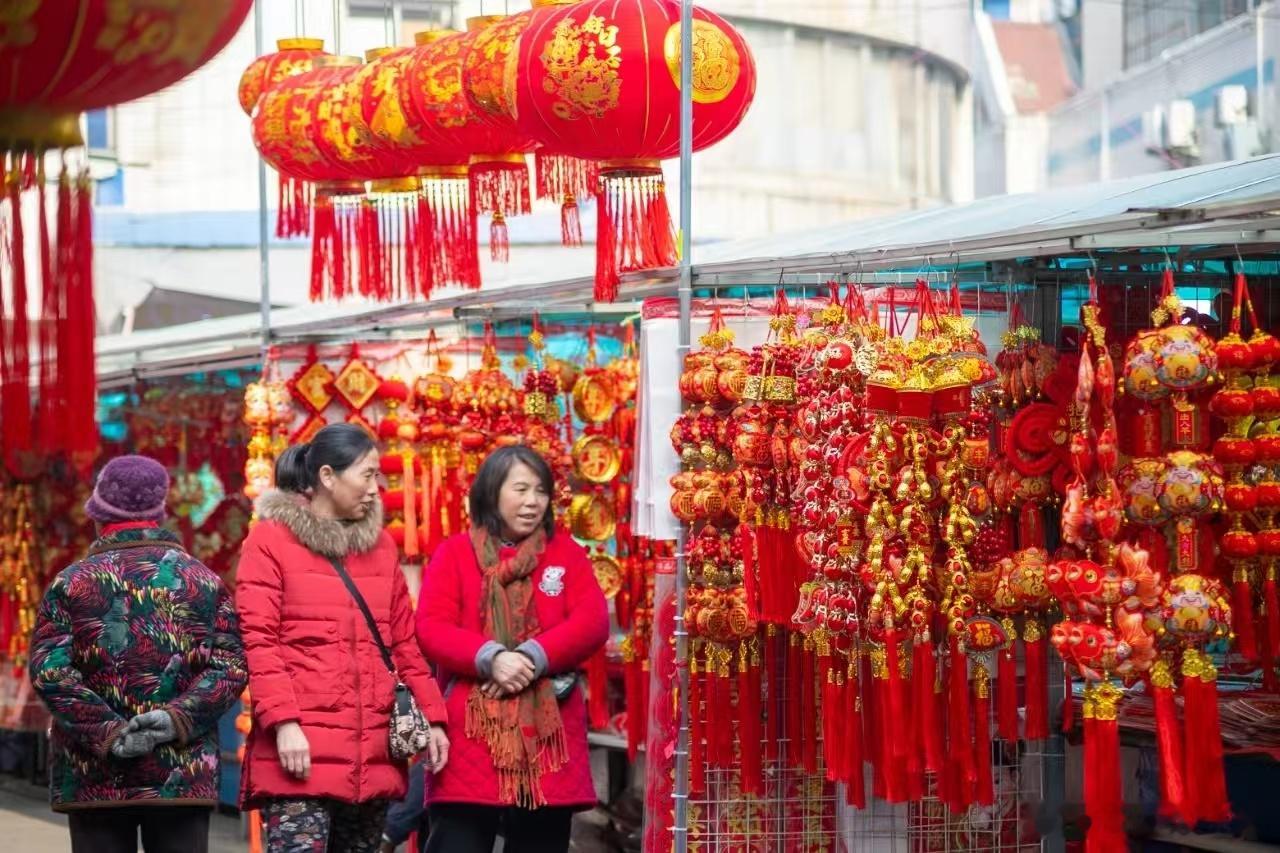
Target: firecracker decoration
<point x="402" y="467"/>
<point x="443" y="507"/>
<point x="21" y="581"/>
<point x="292" y="56"/>
<point x="599" y="81"/>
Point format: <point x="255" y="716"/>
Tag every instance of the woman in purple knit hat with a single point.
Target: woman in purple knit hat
<point x="137" y="653"/>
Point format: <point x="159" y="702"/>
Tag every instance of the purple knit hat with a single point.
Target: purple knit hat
<point x="130" y="488"/>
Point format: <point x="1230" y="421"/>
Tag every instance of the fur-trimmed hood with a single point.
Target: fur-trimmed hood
<point x="328" y="537"/>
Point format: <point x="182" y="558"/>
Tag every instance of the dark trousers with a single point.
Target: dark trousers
<point x="165" y="829"/>
<point x="465" y="828"/>
<point x="410" y="814"/>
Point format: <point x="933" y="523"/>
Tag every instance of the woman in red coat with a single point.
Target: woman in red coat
<point x="508" y="613"/>
<point x="317" y="761"/>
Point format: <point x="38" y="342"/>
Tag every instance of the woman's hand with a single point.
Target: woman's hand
<point x="512" y="671"/>
<point x="437" y="749"/>
<point x="294" y="750"/>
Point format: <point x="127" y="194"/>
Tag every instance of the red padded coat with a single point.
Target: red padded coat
<point x="574" y="623"/>
<point x="312" y="658"/>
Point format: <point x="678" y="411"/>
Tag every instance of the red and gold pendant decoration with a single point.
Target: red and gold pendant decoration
<point x="443" y="493"/>
<point x="268" y="412"/>
<point x="490" y="409"/>
<point x="21" y="583"/>
<point x="403" y="467"/>
<point x="599" y="80"/>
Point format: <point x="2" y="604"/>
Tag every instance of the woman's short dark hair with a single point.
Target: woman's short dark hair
<point x="488" y="484"/>
<point x="338" y="445"/>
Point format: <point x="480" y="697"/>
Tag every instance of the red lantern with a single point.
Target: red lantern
<point x="1239" y="545"/>
<point x="600" y="80"/>
<point x="1233" y="450"/>
<point x="1240" y="497"/>
<point x="438" y="110"/>
<point x="293" y="56"/>
<point x="61" y="59"/>
<point x="485" y="62"/>
<point x="1232" y="403"/>
<point x="445" y="247"/>
<point x="1266" y="401"/>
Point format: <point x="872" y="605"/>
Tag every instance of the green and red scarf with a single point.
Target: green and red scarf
<point x="524" y="732"/>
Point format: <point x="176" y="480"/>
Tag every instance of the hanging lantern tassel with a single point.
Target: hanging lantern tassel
<point x="722" y="717"/>
<point x="749" y="717"/>
<point x="1103" y="794"/>
<point x="634" y="693"/>
<point x="566" y="179"/>
<point x="1007" y="686"/>
<point x="81" y="325"/>
<point x="855" y="780"/>
<point x="1271" y="642"/>
<point x="893" y="746"/>
<point x="873" y="680"/>
<point x="1169" y="743"/>
<point x="1205" y="777"/>
<point x="454" y="256"/>
<point x="598" y="690"/>
<point x="809" y="705"/>
<point x="15" y="382"/>
<point x="634" y="231"/>
<point x="293" y="208"/>
<point x="412" y="541"/>
<point x="1031" y="526"/>
<point x="794" y="700"/>
<point x="1242" y="613"/>
<point x="984" y="786"/>
<point x="1036" y="660"/>
<point x="499" y="239"/>
<point x="50" y="408"/>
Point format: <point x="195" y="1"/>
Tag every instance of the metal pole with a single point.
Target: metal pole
<point x="680" y="842"/>
<point x="264" y="234"/>
<point x="337" y="27"/>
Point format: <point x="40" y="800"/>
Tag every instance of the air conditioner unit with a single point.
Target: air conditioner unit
<point x="1153" y="121"/>
<point x="1231" y="105"/>
<point x="1180" y="126"/>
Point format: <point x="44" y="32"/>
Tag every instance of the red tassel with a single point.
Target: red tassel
<point x="570" y="222"/>
<point x="51" y="408"/>
<point x="1242" y="616"/>
<point x="984" y="785"/>
<point x="499" y="240"/>
<point x="560" y="176"/>
<point x="830" y="702"/>
<point x="893" y="746"/>
<point x="634" y="702"/>
<point x="809" y="714"/>
<point x="607" y="279"/>
<point x="1206" y="778"/>
<point x="1169" y="743"/>
<point x="82" y="409"/>
<point x="501" y="186"/>
<point x="1036" y="661"/>
<point x="17" y="379"/>
<point x="1102" y="757"/>
<point x="873" y="680"/>
<point x="749" y="721"/>
<point x="795" y="700"/>
<point x="697" y="769"/>
<point x="773" y="693"/>
<point x="293" y="208"/>
<point x="1271" y="644"/>
<point x="1031" y="526"/>
<point x="747" y="545"/>
<point x="928" y="713"/>
<point x="960" y="733"/>
<point x="855" y="777"/>
<point x="1007" y="689"/>
<point x="634" y="230"/>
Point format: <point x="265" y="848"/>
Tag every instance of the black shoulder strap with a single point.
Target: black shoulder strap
<point x="364" y="608"/>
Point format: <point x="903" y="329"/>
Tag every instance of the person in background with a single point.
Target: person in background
<point x="318" y="761"/>
<point x="137" y="654"/>
<point x="409" y="815"/>
<point x="508" y="613"/>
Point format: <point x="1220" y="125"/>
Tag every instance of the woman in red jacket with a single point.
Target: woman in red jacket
<point x="508" y="613"/>
<point x="318" y="761"/>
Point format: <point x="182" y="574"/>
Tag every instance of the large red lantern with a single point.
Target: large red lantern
<point x="486" y="62"/>
<point x="292" y="57"/>
<point x="600" y="80"/>
<point x="438" y="110"/>
<point x="60" y="59"/>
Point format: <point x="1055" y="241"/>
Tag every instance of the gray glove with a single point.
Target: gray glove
<point x="132" y="744"/>
<point x="157" y="725"/>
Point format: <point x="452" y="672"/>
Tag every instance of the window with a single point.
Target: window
<point x="414" y="15"/>
<point x="99" y="131"/>
<point x="1151" y="26"/>
<point x="110" y="191"/>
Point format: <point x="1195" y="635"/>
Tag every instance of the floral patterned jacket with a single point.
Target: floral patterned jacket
<point x="137" y="625"/>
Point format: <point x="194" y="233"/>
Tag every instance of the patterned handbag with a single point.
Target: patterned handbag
<point x="409" y="728"/>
